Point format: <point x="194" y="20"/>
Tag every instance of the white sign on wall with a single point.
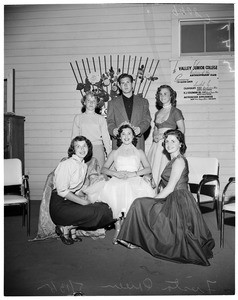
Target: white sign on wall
<point x="195" y="80"/>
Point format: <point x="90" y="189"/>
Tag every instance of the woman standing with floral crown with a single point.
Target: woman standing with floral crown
<point x="167" y="117"/>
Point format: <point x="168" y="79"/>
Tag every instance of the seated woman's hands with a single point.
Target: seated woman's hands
<point x="80" y="194"/>
<point x="131" y="174"/>
<point x="121" y="174"/>
<point x="125" y="174"/>
<point x="79" y="197"/>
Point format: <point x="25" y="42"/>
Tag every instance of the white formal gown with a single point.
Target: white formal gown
<point x="120" y="193"/>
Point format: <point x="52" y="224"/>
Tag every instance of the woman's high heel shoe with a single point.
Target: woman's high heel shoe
<point x="128" y="245"/>
<point x="65" y="238"/>
<point x="75" y="238"/>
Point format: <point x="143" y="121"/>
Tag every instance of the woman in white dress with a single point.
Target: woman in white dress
<point x="167" y="117"/>
<point x="125" y="166"/>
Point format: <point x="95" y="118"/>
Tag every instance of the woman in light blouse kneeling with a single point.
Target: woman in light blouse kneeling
<point x="69" y="207"/>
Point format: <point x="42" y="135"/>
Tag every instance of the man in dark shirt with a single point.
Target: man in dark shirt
<point x="128" y="108"/>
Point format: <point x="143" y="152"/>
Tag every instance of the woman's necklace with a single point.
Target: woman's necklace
<point x="167" y="106"/>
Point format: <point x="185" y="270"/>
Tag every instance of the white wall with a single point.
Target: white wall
<point x="41" y="41"/>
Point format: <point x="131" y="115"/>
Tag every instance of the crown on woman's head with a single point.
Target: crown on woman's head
<point x="127" y="123"/>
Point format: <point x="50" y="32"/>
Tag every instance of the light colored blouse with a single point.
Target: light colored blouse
<point x="69" y="176"/>
<point x="94" y="127"/>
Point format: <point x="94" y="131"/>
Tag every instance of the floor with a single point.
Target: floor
<point x="99" y="268"/>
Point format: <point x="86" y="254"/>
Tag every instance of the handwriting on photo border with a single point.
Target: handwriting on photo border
<point x="190" y="12"/>
<point x="70" y="287"/>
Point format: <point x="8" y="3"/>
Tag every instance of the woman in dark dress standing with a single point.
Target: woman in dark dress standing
<point x="170" y="226"/>
<point x="69" y="207"/>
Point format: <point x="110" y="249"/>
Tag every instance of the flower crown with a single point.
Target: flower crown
<point x="127" y="123"/>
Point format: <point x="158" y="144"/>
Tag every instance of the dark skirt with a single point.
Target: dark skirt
<point x="171" y="228"/>
<point x="85" y="217"/>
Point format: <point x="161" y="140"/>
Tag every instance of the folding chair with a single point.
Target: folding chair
<point x="227" y="205"/>
<point x="204" y="181"/>
<point x="16" y="188"/>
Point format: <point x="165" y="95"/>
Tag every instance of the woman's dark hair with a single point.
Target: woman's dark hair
<point x="119" y="141"/>
<point x="179" y="135"/>
<point x="92" y="94"/>
<point x="80" y="138"/>
<point x="173" y="95"/>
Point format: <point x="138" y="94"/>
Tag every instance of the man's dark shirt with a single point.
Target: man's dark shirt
<point x="128" y="102"/>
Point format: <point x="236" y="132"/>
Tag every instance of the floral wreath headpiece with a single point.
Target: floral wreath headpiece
<point x="127" y="123"/>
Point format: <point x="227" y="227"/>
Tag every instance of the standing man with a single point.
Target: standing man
<point x="130" y="108"/>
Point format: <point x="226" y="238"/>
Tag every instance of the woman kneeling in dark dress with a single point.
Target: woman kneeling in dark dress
<point x="69" y="208"/>
<point x="170" y="226"/>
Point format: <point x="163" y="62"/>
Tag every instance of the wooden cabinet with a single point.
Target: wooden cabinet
<point x="14" y="137"/>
